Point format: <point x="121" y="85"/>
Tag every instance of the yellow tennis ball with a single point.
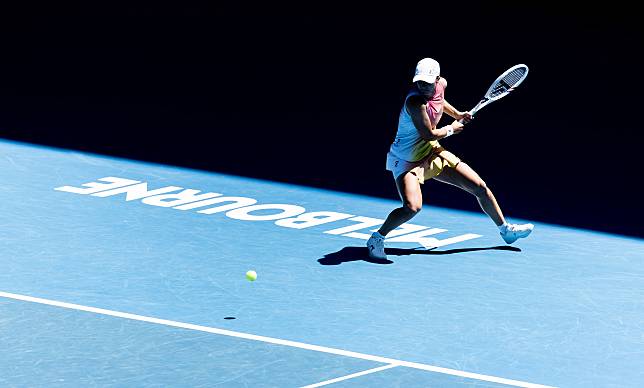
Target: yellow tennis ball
<point x="251" y="275"/>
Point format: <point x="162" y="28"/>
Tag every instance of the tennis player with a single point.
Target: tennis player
<point x="416" y="156"/>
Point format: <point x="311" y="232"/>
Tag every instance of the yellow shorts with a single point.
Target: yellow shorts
<point x="427" y="168"/>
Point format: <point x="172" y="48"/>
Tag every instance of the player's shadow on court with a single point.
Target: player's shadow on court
<point x="348" y="254"/>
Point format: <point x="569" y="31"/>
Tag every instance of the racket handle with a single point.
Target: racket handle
<point x="472" y="112"/>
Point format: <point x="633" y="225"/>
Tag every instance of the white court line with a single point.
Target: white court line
<point x="276" y="341"/>
<point x="366" y="372"/>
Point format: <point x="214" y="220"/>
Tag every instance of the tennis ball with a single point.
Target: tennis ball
<point x="251" y="275"/>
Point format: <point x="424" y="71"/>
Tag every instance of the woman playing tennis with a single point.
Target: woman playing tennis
<point x="416" y="156"/>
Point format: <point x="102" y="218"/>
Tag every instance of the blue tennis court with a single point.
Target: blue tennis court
<point x="122" y="273"/>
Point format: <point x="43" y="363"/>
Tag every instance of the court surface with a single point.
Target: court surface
<point x="121" y="273"/>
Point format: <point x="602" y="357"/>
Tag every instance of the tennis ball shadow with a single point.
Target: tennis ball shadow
<point x="348" y="254"/>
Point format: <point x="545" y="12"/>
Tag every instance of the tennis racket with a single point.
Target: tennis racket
<point x="502" y="86"/>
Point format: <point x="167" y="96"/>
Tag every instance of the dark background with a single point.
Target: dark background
<point x="311" y="94"/>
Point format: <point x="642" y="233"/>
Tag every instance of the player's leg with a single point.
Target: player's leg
<point x="412" y="202"/>
<point x="466" y="178"/>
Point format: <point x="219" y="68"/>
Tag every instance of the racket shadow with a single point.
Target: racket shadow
<point x="348" y="254"/>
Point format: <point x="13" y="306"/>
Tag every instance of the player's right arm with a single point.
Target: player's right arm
<point x="417" y="109"/>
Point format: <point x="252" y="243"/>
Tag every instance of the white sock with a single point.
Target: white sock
<point x="379" y="235"/>
<point x="503" y="227"/>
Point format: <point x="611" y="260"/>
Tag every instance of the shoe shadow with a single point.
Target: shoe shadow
<point x="348" y="254"/>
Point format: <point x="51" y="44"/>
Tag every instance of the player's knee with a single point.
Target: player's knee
<point x="413" y="208"/>
<point x="480" y="189"/>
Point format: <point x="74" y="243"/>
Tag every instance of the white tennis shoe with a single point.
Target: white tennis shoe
<point x="513" y="232"/>
<point x="376" y="246"/>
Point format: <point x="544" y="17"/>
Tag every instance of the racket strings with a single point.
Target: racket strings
<point x="506" y="83"/>
<point x="514" y="76"/>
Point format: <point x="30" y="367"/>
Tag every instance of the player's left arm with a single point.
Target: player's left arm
<point x="455" y="113"/>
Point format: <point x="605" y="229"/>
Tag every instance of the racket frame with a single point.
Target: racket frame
<point x="487" y="99"/>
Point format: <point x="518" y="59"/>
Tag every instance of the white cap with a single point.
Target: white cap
<point x="427" y="70"/>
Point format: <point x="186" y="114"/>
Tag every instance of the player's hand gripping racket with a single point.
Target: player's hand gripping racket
<point x="502" y="86"/>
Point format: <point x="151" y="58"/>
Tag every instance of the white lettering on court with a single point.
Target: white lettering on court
<point x="308" y="220"/>
<point x="247" y="209"/>
<point x="283" y="212"/>
<point x="94" y="187"/>
<point x="183" y="197"/>
<point x="137" y="191"/>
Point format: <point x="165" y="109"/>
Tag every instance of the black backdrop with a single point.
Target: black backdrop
<point x="311" y="95"/>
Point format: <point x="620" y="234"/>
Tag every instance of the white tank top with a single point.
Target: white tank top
<point x="408" y="145"/>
